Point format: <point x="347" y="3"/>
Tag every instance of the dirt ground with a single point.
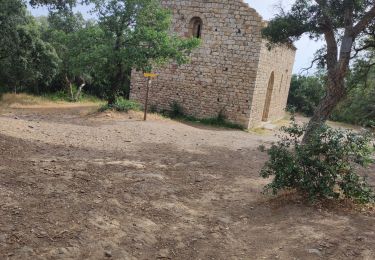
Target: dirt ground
<point x="77" y="185"/>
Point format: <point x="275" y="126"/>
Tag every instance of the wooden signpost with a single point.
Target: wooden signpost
<point x="149" y="77"/>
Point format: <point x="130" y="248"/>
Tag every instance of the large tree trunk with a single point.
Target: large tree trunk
<point x="118" y="77"/>
<point x="127" y="82"/>
<point x="69" y="87"/>
<point x="79" y="91"/>
<point x="335" y="93"/>
<point x="81" y="81"/>
<point x="116" y="85"/>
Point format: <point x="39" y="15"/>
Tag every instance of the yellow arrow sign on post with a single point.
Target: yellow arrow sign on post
<point x="150" y="76"/>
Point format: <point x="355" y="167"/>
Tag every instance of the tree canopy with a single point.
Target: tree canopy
<point x="345" y="25"/>
<point x="66" y="52"/>
<point x="137" y="33"/>
<point x="24" y="57"/>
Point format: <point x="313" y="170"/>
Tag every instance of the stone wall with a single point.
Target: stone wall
<point x="223" y="74"/>
<point x="278" y="61"/>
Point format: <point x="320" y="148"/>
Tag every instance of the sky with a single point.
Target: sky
<point x="267" y="9"/>
<point x="306" y="48"/>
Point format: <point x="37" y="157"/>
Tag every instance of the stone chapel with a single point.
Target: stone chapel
<point x="233" y="73"/>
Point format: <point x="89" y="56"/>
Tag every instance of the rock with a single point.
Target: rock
<point x="194" y="163"/>
<point x="107" y="253"/>
<point x="62" y="250"/>
<point x="163" y="253"/>
<point x="315" y="252"/>
<point x="3" y="238"/>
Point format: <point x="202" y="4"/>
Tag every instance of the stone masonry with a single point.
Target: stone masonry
<point x="232" y="73"/>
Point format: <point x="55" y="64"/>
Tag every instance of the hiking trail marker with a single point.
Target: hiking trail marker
<point x="149" y="77"/>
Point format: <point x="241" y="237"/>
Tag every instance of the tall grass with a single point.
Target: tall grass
<point x="122" y="105"/>
<point x="177" y="112"/>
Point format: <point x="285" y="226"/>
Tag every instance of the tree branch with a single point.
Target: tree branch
<point x="348" y="38"/>
<point x="362" y="24"/>
<point x="362" y="48"/>
<point x="329" y="35"/>
<point x="311" y="65"/>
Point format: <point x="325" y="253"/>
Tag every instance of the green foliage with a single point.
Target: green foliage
<point x="25" y="59"/>
<point x="306" y="93"/>
<point x="325" y="167"/>
<point x="308" y="17"/>
<point x="62" y="95"/>
<point x="359" y="105"/>
<point x="218" y="121"/>
<point x="177" y="112"/>
<point x="138" y="37"/>
<point x="53" y="54"/>
<point x="56" y="4"/>
<point x="80" y="46"/>
<point x="347" y="27"/>
<point x="122" y="105"/>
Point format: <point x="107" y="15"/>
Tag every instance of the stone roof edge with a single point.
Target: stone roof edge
<point x="264" y="22"/>
<point x="250" y="8"/>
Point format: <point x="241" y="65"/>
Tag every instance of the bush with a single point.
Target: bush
<point x="323" y="168"/>
<point x="177" y="112"/>
<point x="58" y="96"/>
<point x="122" y="105"/>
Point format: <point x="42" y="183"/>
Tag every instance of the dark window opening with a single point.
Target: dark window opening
<point x="197" y="31"/>
<point x="195" y="27"/>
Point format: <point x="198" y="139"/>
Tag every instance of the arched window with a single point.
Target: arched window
<point x="195" y="27"/>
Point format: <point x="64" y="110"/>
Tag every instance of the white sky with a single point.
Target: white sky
<point x="266" y="8"/>
<point x="306" y="48"/>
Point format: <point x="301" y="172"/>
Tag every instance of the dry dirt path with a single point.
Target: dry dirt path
<point x="78" y="186"/>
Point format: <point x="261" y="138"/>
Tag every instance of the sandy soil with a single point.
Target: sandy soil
<point x="76" y="185"/>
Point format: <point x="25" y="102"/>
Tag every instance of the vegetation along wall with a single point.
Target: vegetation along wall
<point x="229" y="73"/>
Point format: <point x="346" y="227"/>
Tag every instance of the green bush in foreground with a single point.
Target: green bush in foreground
<point x="323" y="168"/>
<point x="122" y="105"/>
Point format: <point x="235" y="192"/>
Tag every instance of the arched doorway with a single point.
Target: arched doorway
<point x="267" y="103"/>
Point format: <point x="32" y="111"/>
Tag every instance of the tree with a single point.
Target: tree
<point x="343" y="24"/>
<point x="305" y="93"/>
<point x="77" y="43"/>
<point x="359" y="105"/>
<point x="55" y="4"/>
<point x="25" y="59"/>
<point x="137" y="33"/>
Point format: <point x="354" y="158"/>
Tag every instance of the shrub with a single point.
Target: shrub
<point x="176" y="110"/>
<point x="323" y="168"/>
<point x="122" y="105"/>
<point x="58" y="96"/>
